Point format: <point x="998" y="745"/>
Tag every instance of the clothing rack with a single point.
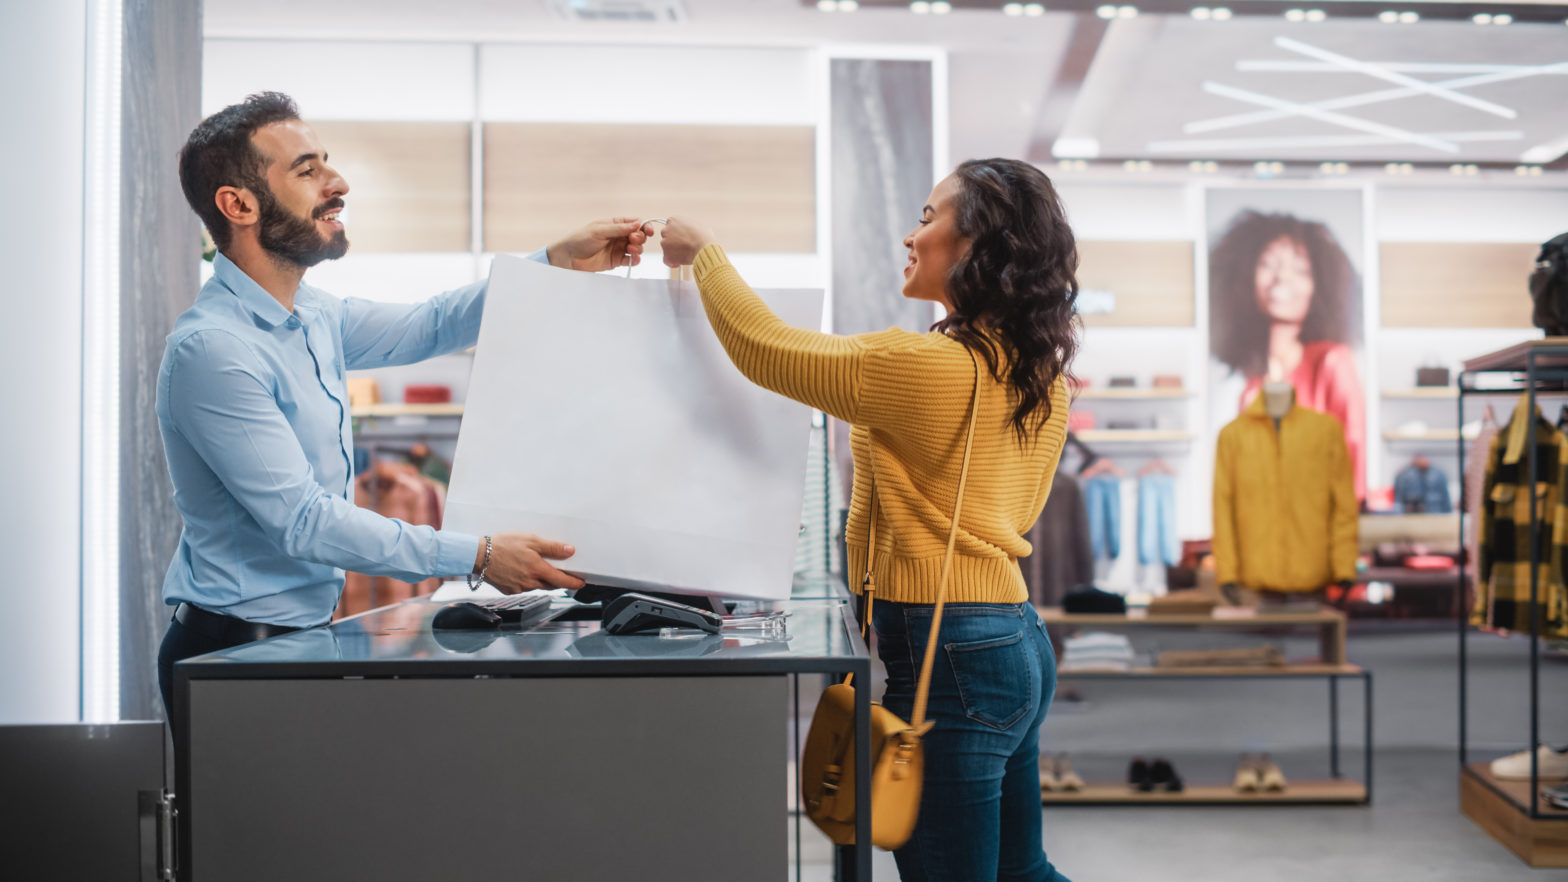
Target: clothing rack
<point x="1497" y="806"/>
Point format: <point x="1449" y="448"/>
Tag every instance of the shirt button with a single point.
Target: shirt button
<point x="293" y="322"/>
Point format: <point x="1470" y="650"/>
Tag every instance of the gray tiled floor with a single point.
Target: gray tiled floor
<point x="1413" y="831"/>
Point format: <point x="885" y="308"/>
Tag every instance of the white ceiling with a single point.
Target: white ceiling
<point x="1151" y="78"/>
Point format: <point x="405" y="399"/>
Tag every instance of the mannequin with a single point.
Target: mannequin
<point x="1279" y="396"/>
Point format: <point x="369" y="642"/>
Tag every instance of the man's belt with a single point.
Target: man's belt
<point x="225" y="629"/>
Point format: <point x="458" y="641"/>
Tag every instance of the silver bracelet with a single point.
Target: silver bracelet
<point x="477" y="579"/>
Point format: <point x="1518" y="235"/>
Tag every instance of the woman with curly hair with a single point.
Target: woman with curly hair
<point x="994" y="248"/>
<point x="1285" y="304"/>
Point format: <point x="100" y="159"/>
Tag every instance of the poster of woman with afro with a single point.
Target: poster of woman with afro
<point x="1285" y="304"/>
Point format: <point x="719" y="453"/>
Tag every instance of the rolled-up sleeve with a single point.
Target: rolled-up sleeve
<point x="222" y="404"/>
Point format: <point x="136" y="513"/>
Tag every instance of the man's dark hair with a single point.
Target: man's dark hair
<point x="219" y="153"/>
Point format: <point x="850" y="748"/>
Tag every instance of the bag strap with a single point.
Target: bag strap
<point x="923" y="689"/>
<point x="868" y="584"/>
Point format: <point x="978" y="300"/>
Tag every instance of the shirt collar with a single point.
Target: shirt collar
<point x="1259" y="408"/>
<point x="252" y="296"/>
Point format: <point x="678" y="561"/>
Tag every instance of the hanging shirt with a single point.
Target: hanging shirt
<point x="1285" y="511"/>
<point x="253" y="409"/>
<point x="1503" y="567"/>
<point x="1422" y="490"/>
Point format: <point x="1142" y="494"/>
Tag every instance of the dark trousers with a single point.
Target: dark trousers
<point x="992" y="682"/>
<point x="180" y="643"/>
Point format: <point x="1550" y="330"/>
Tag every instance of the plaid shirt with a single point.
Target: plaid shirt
<point x="1503" y="600"/>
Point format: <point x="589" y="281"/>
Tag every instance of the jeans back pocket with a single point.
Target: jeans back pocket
<point x="996" y="683"/>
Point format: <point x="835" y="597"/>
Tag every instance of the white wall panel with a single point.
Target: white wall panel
<point x="647" y="84"/>
<point x="42" y="62"/>
<point x="1467" y="214"/>
<point x="388" y="82"/>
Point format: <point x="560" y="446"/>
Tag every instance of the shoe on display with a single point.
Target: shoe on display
<point x="1163" y="777"/>
<point x="1049" y="783"/>
<point x="1138" y="776"/>
<point x="1066" y="778"/>
<point x="1248" y="776"/>
<point x="1557" y="796"/>
<point x="1270" y="778"/>
<point x="1516" y="767"/>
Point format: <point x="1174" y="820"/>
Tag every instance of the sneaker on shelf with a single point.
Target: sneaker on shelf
<point x="1163" y="777"/>
<point x="1066" y="778"/>
<point x="1138" y="776"/>
<point x="1270" y="778"/>
<point x="1249" y="777"/>
<point x="1049" y="783"/>
<point x="1516" y="767"/>
<point x="1557" y="796"/>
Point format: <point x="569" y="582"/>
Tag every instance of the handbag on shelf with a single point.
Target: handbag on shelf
<point x="827" y="762"/>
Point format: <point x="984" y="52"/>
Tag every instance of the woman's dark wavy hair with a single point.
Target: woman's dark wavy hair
<point x="1240" y="327"/>
<point x="1016" y="285"/>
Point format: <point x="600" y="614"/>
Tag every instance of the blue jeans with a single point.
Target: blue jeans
<point x="992" y="681"/>
<point x="1102" y="497"/>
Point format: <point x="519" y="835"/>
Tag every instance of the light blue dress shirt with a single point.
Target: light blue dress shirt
<point x="253" y="408"/>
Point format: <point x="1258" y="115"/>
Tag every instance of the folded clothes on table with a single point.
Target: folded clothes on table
<point x="1097" y="651"/>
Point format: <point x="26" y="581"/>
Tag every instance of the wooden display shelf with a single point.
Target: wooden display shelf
<point x="1131" y="436"/>
<point x="1326" y="792"/>
<point x="1126" y="394"/>
<point x="1500" y="808"/>
<point x="1448" y="436"/>
<point x="1423" y="392"/>
<point x="1301" y="670"/>
<point x="1551" y="352"/>
<point x="1329" y="623"/>
<point x="397" y="410"/>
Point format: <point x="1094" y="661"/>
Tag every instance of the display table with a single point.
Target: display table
<point x="377" y="748"/>
<point x="1332" y="666"/>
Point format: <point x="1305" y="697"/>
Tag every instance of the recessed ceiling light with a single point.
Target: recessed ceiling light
<point x="1409" y="17"/>
<point x="1106" y="12"/>
<point x="1221" y="13"/>
<point x="1482" y="18"/>
<point x="827" y="5"/>
<point x="1012" y="9"/>
<point x="1201" y="13"/>
<point x="941" y="7"/>
<point x="1034" y="10"/>
<point x="1295" y="15"/>
<point x="1503" y="19"/>
<point x="1388" y="17"/>
<point x="1316" y="15"/>
<point x="848" y="5"/>
<point x="1127" y="12"/>
<point x="920" y="7"/>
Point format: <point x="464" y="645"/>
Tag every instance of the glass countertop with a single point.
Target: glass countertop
<point x="811" y="630"/>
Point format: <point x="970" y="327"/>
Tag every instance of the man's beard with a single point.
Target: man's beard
<point x="288" y="237"/>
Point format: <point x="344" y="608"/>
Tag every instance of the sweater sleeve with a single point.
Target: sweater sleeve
<point x="825" y="371"/>
<point x="1345" y="517"/>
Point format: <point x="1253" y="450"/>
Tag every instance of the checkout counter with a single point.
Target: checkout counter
<point x="378" y="748"/>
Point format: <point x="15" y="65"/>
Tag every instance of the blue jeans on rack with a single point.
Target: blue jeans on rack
<point x="1157" y="541"/>
<point x="1102" y="496"/>
<point x="992" y="680"/>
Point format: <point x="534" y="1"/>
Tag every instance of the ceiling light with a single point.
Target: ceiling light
<point x="1342" y="168"/>
<point x="1138" y="165"/>
<point x="1388" y="17"/>
<point x="1409" y="17"/>
<point x="1106" y="12"/>
<point x="1503" y="19"/>
<point x="1295" y="15"/>
<point x="1481" y="18"/>
<point x="1456" y="169"/>
<point x="920" y="7"/>
<point x="1127" y="12"/>
<point x="1472" y="170"/>
<point x="827" y="5"/>
<point x="1201" y="13"/>
<point x="848" y="5"/>
<point x="1034" y="10"/>
<point x="1073" y="165"/>
<point x="941" y="7"/>
<point x="1012" y="9"/>
<point x="1316" y="15"/>
<point x="1221" y="13"/>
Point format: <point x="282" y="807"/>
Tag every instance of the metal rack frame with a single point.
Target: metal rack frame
<point x="1542" y="362"/>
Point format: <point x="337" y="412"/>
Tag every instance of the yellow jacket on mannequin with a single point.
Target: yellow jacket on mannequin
<point x="1285" y="512"/>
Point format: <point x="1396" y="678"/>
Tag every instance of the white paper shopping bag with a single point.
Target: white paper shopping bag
<point x="603" y="412"/>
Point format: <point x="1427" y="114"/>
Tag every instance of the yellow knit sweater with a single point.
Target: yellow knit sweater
<point x="906" y="397"/>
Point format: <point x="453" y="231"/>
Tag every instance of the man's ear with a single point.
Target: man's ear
<point x="239" y="205"/>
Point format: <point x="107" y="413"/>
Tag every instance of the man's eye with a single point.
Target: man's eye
<point x="307" y="173"/>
